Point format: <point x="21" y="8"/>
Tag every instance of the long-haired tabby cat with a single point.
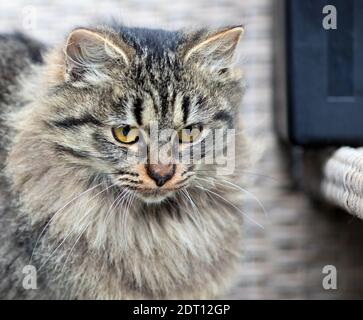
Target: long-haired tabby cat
<point x="73" y="202"/>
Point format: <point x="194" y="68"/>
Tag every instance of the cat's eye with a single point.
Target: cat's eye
<point x="190" y="134"/>
<point x="126" y="134"/>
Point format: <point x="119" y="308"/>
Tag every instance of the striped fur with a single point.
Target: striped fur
<point x="105" y="231"/>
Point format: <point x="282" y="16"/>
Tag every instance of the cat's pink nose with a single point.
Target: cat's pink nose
<point x="160" y="173"/>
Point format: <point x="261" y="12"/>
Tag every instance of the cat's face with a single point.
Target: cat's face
<point x="143" y="117"/>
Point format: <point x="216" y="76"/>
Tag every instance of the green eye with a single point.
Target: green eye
<point x="189" y="134"/>
<point x="126" y="134"/>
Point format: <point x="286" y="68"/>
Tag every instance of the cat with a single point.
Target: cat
<point x="75" y="205"/>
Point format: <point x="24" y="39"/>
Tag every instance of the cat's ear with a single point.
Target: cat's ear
<point x="90" y="56"/>
<point x="213" y="50"/>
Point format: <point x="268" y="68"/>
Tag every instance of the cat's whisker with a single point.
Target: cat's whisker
<point x="190" y="199"/>
<point x="121" y="203"/>
<point x="199" y="215"/>
<point x="114" y="204"/>
<point x="56" y="214"/>
<point x="75" y="243"/>
<point x="240" y="172"/>
<point x="236" y="187"/>
<point x="191" y="216"/>
<point x="73" y="229"/>
<point x="123" y="218"/>
<point x="65" y="238"/>
<point x="233" y="205"/>
<point x="113" y="208"/>
<point x="129" y="201"/>
<point x="248" y="193"/>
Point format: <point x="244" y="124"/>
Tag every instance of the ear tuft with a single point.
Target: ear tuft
<point x="88" y="54"/>
<point x="215" y="50"/>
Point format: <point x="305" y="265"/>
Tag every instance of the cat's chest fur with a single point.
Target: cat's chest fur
<point x="164" y="257"/>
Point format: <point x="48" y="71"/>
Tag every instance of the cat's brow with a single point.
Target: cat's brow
<point x="223" y="116"/>
<point x="71" y="122"/>
<point x="61" y="149"/>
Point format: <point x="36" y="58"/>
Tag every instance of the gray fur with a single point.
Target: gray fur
<point x="56" y="143"/>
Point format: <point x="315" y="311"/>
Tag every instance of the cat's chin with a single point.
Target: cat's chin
<point x="154" y="197"/>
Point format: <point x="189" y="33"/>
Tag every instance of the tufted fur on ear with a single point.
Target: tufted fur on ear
<point x="213" y="50"/>
<point x="89" y="57"/>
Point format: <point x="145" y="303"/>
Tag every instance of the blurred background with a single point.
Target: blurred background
<point x="285" y="259"/>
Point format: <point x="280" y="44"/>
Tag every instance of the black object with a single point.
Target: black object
<point x="318" y="73"/>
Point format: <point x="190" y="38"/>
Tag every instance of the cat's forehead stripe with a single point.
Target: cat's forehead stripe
<point x="185" y="108"/>
<point x="72" y="122"/>
<point x="138" y="108"/>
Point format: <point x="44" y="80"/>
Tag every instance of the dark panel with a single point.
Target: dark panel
<point x="340" y="52"/>
<point x="324" y="78"/>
